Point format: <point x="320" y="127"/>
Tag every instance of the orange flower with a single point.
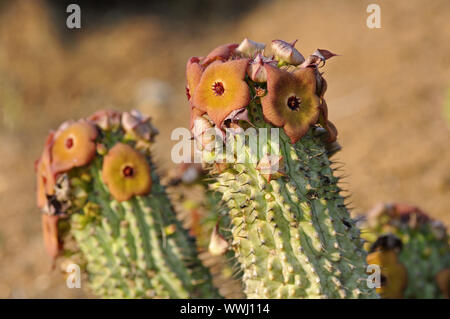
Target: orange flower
<point x="50" y="232"/>
<point x="73" y="146"/>
<point x="291" y="101"/>
<point x="44" y="174"/>
<point x="126" y="172"/>
<point x="222" y="89"/>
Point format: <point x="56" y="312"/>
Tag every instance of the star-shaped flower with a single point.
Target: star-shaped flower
<point x="74" y="146"/>
<point x="126" y="172"/>
<point x="222" y="89"/>
<point x="291" y="101"/>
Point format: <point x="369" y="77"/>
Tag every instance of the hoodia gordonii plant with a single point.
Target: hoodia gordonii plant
<point x="97" y="185"/>
<point x="412" y="250"/>
<point x="290" y="229"/>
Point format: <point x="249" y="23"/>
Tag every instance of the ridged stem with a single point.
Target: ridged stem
<point x="293" y="236"/>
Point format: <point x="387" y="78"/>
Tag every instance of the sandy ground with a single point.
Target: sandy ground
<point x="387" y="93"/>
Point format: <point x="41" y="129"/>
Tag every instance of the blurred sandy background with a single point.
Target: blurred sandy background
<point x="389" y="95"/>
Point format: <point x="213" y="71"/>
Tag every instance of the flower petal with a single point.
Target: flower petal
<point x="45" y="177"/>
<point x="50" y="232"/>
<point x="193" y="75"/>
<point x="222" y="53"/>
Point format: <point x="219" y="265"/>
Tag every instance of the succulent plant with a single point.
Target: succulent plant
<point x="420" y="245"/>
<point x="291" y="232"/>
<point x="99" y="190"/>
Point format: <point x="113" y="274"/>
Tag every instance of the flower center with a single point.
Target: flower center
<point x="218" y="88"/>
<point x="128" y="171"/>
<point x="293" y="103"/>
<point x="69" y="143"/>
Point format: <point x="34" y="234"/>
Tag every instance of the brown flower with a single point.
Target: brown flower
<point x="126" y="172"/>
<point x="222" y="89"/>
<point x="291" y="101"/>
<point x="74" y="146"/>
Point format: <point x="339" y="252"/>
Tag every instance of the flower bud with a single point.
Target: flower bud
<point x="204" y="133"/>
<point x="286" y="52"/>
<point x="256" y="71"/>
<point x="135" y="123"/>
<point x="249" y="48"/>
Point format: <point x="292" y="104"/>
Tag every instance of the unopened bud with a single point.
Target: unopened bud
<point x="286" y="52"/>
<point x="249" y="48"/>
